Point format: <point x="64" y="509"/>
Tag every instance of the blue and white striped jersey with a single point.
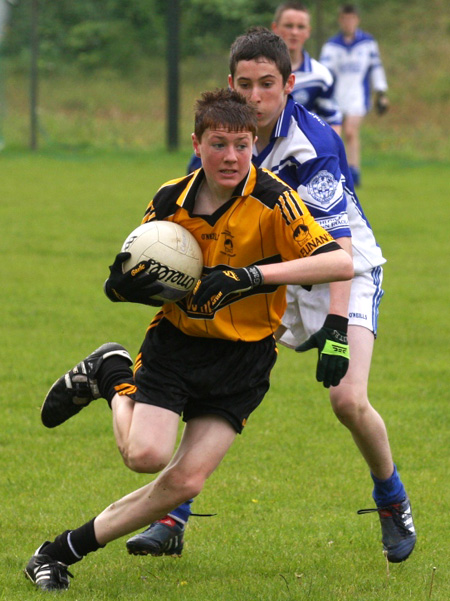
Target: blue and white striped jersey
<point x="308" y="155"/>
<point x="357" y="70"/>
<point x="314" y="90"/>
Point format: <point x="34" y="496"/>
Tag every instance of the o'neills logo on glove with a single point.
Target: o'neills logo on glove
<point x="171" y="276"/>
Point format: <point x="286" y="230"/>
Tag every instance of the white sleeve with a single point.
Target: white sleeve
<point x="377" y="75"/>
<point x="327" y="58"/>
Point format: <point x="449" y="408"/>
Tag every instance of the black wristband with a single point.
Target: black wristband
<point x="336" y="322"/>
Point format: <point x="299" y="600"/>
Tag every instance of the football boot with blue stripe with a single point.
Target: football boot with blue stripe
<point x="163" y="537"/>
<point x="78" y="387"/>
<point x="397" y="530"/>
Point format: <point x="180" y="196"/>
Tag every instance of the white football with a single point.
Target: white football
<point x="174" y="253"/>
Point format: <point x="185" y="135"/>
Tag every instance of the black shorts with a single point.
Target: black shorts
<point x="201" y="376"/>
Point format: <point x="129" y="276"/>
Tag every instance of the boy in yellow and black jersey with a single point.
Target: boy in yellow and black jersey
<point x="263" y="222"/>
<point x="208" y="358"/>
<point x="305" y="153"/>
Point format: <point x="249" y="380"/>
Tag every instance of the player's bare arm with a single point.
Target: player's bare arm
<point x="324" y="267"/>
<point x="340" y="291"/>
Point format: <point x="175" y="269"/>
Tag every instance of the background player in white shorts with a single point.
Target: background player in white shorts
<point x="314" y="84"/>
<point x="354" y="59"/>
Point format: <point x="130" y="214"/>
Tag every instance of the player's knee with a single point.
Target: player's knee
<point x="146" y="460"/>
<point x="183" y="485"/>
<point x="351" y="131"/>
<point x="348" y="404"/>
<point x="351" y="135"/>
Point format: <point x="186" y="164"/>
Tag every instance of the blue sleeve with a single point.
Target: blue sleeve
<point x="195" y="162"/>
<point x="327" y="107"/>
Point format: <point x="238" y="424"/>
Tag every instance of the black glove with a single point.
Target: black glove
<point x="133" y="286"/>
<point x="381" y="103"/>
<point x="334" y="354"/>
<point x="220" y="283"/>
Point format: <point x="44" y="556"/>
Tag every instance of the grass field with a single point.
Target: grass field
<point x="287" y="494"/>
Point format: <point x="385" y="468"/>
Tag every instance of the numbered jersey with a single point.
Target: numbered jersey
<point x="264" y="222"/>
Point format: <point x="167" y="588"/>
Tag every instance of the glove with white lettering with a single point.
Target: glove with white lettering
<point x="332" y="344"/>
<point x="133" y="286"/>
<point x="381" y="103"/>
<point x="220" y="283"/>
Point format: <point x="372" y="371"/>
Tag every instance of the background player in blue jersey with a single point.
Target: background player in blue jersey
<point x="314" y="85"/>
<point x="353" y="58"/>
<point x="306" y="153"/>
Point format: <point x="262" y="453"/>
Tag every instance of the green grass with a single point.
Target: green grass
<point x="286" y="495"/>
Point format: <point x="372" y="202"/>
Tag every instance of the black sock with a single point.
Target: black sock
<point x="113" y="371"/>
<point x="72" y="545"/>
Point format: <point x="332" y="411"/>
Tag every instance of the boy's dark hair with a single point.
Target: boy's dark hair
<point x="260" y="42"/>
<point x="348" y="9"/>
<point x="288" y="6"/>
<point x="224" y="108"/>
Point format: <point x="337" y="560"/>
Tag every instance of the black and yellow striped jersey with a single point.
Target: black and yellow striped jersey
<point x="265" y="221"/>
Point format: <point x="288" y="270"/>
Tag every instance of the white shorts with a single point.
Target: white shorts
<point x="351" y="100"/>
<point x="306" y="311"/>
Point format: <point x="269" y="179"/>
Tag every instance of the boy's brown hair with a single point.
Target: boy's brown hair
<point x="261" y="43"/>
<point x="224" y="108"/>
<point x="288" y="6"/>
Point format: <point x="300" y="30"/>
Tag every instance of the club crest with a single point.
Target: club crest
<point x="322" y="187"/>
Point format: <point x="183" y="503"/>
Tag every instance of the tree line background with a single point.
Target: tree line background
<point x="103" y="71"/>
<point x="114" y="34"/>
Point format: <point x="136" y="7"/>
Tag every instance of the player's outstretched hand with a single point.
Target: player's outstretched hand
<point x="334" y="356"/>
<point x="221" y="282"/>
<point x="133" y="286"/>
<point x="381" y="103"/>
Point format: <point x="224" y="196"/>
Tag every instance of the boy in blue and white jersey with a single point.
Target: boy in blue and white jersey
<point x="313" y="89"/>
<point x="354" y="60"/>
<point x="314" y="84"/>
<point x="309" y="156"/>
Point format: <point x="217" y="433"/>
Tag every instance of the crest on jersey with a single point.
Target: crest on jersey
<point x="322" y="187"/>
<point x="228" y="245"/>
<point x="301" y="233"/>
<point x="301" y="96"/>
